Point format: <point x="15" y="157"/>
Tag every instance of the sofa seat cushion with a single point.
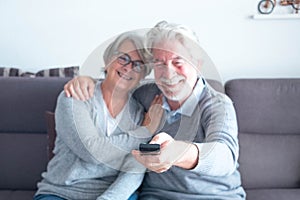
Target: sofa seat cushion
<point x="269" y="161"/>
<point x="274" y="194"/>
<point x="16" y="194"/>
<point x="23" y="158"/>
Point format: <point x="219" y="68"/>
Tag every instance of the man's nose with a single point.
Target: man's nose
<point x="170" y="69"/>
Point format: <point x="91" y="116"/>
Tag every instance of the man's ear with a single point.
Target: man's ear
<point x="198" y="63"/>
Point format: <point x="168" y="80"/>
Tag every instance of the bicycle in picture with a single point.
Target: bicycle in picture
<point x="267" y="6"/>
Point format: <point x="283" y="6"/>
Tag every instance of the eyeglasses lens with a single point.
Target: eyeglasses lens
<point x="125" y="59"/>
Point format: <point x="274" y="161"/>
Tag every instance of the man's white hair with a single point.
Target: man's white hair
<point x="164" y="31"/>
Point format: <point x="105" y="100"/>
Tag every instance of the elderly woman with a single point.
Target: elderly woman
<point x="94" y="138"/>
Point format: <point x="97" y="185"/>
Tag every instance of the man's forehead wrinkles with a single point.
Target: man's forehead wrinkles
<point x="163" y="54"/>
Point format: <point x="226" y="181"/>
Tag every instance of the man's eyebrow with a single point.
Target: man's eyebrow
<point x="178" y="57"/>
<point x="156" y="60"/>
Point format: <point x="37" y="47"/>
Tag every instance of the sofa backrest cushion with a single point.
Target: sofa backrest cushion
<point x="23" y="102"/>
<point x="268" y="113"/>
<point x="216" y="85"/>
<point x="23" y="138"/>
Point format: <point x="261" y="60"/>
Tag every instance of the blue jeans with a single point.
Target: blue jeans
<point x="134" y="196"/>
<point x="47" y="197"/>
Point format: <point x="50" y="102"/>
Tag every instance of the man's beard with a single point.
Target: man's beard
<point x="176" y="94"/>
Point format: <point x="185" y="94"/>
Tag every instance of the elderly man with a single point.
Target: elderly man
<point x="198" y="136"/>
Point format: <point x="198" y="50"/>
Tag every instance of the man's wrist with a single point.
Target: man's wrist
<point x="189" y="159"/>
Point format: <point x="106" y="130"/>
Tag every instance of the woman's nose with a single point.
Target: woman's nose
<point x="127" y="67"/>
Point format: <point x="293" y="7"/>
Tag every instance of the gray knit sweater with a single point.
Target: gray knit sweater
<point x="88" y="164"/>
<point x="207" y="118"/>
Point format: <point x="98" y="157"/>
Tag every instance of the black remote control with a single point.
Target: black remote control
<point x="150" y="149"/>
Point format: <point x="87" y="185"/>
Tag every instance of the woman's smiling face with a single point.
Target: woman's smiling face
<point x="122" y="76"/>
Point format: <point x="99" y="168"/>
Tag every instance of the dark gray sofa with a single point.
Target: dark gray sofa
<point x="23" y="138"/>
<point x="268" y="112"/>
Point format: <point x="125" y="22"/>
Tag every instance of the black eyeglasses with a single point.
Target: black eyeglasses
<point x="124" y="59"/>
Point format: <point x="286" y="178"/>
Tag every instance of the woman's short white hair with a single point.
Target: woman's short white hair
<point x="138" y="42"/>
<point x="164" y="31"/>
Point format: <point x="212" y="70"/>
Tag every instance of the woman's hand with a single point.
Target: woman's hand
<point x="154" y="115"/>
<point x="80" y="88"/>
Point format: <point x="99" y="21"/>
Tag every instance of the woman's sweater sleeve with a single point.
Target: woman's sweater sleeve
<point x="128" y="181"/>
<point x="75" y="127"/>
